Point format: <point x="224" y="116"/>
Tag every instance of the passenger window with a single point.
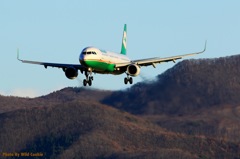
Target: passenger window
<point x="84" y="53"/>
<point x="88" y="52"/>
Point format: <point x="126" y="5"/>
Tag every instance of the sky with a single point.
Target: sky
<point x="58" y="30"/>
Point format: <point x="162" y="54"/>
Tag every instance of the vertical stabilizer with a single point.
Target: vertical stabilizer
<point x="124" y="41"/>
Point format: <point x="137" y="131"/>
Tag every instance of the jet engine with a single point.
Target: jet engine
<point x="133" y="70"/>
<point x="71" y="73"/>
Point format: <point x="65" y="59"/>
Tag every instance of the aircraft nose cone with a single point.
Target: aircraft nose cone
<point x="82" y="59"/>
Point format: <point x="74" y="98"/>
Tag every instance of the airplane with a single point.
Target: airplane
<point x="95" y="60"/>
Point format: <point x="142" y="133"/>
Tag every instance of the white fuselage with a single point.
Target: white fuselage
<point x="102" y="61"/>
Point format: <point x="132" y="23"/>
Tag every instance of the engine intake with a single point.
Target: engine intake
<point x="133" y="70"/>
<point x="71" y="73"/>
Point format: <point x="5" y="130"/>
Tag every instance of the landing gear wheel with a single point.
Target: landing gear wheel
<point x="130" y="80"/>
<point x="85" y="82"/>
<point x="89" y="78"/>
<point x="125" y="80"/>
<point x="90" y="82"/>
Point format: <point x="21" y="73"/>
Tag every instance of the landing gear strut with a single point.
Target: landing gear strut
<point x="128" y="79"/>
<point x="89" y="79"/>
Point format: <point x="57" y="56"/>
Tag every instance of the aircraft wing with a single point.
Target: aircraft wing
<point x="58" y="65"/>
<point x="153" y="61"/>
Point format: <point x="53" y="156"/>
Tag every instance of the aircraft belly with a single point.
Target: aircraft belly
<point x="107" y="72"/>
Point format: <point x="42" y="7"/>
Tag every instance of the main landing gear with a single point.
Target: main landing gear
<point x="89" y="79"/>
<point x="128" y="79"/>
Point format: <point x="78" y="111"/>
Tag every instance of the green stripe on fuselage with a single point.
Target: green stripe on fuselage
<point x="100" y="66"/>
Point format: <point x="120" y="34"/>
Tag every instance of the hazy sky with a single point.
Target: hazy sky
<point x="57" y="31"/>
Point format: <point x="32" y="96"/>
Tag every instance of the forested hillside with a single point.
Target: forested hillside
<point x="194" y="97"/>
<point x="84" y="129"/>
<point x="190" y="111"/>
<point x="187" y="87"/>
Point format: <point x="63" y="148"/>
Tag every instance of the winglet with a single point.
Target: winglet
<point x="18" y="55"/>
<point x="205" y="47"/>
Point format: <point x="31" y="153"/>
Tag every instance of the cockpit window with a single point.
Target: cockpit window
<point x="89" y="52"/>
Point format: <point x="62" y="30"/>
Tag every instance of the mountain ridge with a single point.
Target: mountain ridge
<point x="92" y="130"/>
<point x="185" y="113"/>
<point x="188" y="82"/>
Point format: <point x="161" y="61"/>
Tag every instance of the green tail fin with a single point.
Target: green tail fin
<point x="124" y="41"/>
